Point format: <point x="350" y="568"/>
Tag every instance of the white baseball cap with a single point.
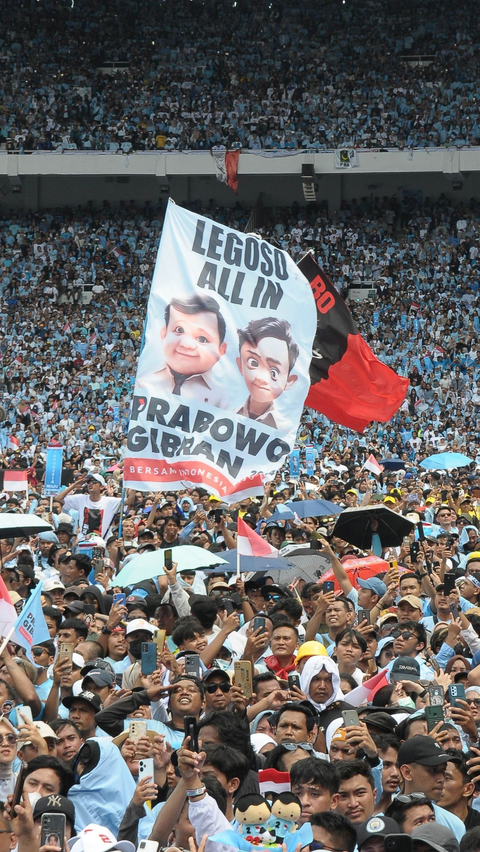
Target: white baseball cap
<point x="52" y="583"/>
<point x="96" y="838"/>
<point x="139" y="624"/>
<point x="97" y="476"/>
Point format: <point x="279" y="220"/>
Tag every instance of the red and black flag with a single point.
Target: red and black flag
<point x="347" y="381"/>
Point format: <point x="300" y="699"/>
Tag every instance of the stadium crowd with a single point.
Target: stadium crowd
<point x="110" y="744"/>
<point x="284" y="75"/>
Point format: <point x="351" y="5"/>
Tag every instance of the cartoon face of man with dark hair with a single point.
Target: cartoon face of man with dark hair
<point x="192" y="341"/>
<point x="267" y="356"/>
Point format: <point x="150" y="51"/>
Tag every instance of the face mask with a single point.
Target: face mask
<point x="135" y="649"/>
<point x="221" y="664"/>
<point x="406" y="702"/>
<point x="34" y="797"/>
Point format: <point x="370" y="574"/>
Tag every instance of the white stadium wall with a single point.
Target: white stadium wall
<point x="41" y="180"/>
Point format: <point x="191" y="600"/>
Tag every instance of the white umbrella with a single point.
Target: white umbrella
<point x="15" y="524"/>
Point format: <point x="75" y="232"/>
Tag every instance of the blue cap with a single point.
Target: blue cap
<point x="387" y="640"/>
<point x="374" y="584"/>
<point x="49" y="536"/>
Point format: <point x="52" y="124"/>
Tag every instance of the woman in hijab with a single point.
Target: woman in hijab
<point x="320" y="681"/>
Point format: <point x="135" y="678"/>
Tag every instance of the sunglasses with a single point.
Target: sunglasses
<point x="473" y="702"/>
<point x="405" y="634"/>
<point x="37" y="652"/>
<point x="10" y="738"/>
<point x="413" y="797"/>
<point x="272" y="597"/>
<point x="295" y="746"/>
<point x="214" y="687"/>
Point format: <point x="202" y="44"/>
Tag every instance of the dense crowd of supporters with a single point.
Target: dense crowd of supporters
<point x="74" y="291"/>
<point x="282" y="75"/>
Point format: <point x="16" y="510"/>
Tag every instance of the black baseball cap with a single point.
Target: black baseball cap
<point x="75" y="606"/>
<point x="376" y="826"/>
<point x="423" y="750"/>
<point x="273" y="589"/>
<point x="96" y="664"/>
<point x="84" y="695"/>
<point x="55" y="804"/>
<point x="214" y="671"/>
<point x="405" y="668"/>
<point x="191" y="677"/>
<point x="100" y="677"/>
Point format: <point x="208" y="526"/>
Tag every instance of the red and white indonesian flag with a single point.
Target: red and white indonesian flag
<point x="249" y="543"/>
<point x="13" y="480"/>
<point x="226" y="167"/>
<point x="8" y="615"/>
<point x="273" y="781"/>
<point x="13" y="443"/>
<point x="365" y="692"/>
<point x="373" y="466"/>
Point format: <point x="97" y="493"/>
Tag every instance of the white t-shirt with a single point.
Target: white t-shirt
<point x="93" y="516"/>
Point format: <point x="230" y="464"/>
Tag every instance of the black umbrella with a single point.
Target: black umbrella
<point x="309" y="563"/>
<point x="357" y="526"/>
<point x="15" y="525"/>
<point x="393" y="464"/>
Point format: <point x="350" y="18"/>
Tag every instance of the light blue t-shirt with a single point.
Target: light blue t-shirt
<point x="175" y="738"/>
<point x="452" y="822"/>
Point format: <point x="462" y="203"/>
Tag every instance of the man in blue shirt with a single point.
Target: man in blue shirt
<point x="423" y="763"/>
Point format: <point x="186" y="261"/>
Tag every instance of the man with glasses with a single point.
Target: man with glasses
<point x="409" y="640"/>
<point x="445" y="519"/>
<point x="217" y="687"/>
<point x="411" y="811"/>
<point x="272" y="595"/>
<point x="423" y="765"/>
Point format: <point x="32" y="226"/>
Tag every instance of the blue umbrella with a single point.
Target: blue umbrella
<point x="445" y="461"/>
<point x="250" y="563"/>
<point x="393" y="464"/>
<point x="150" y="565"/>
<point x="282" y="513"/>
<point x="314" y="508"/>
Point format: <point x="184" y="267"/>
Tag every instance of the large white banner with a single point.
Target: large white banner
<point x="224" y="371"/>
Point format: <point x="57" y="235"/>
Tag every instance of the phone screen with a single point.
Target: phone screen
<point x="167" y="559"/>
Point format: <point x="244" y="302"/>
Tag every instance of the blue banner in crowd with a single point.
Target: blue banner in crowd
<point x="376" y="318"/>
<point x="310" y="459"/>
<point x="295" y="462"/>
<point x="53" y="471"/>
<point x="116" y="413"/>
<point x="403" y="321"/>
<point x="30" y="627"/>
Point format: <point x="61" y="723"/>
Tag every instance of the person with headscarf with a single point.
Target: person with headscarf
<point x="103" y="785"/>
<point x="320" y="682"/>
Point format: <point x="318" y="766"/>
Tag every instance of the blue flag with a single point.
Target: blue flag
<point x="30" y="626"/>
